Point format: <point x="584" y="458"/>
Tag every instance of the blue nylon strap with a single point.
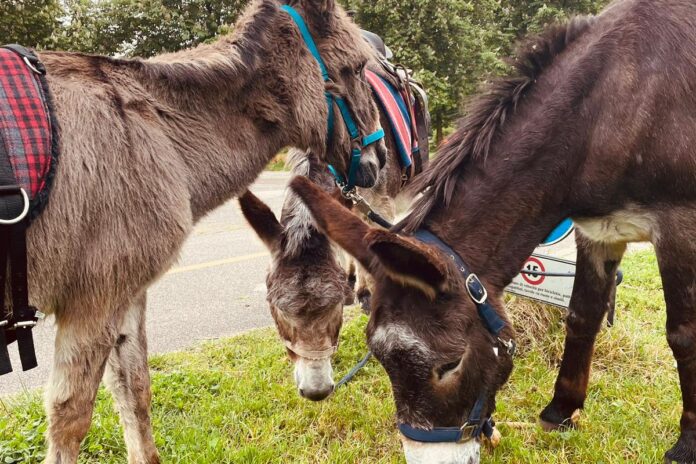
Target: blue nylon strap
<point x="372" y="138"/>
<point x="477" y="292"/>
<point x="332" y="117"/>
<point x="337" y="176"/>
<point x="354" y="166"/>
<point x="307" y="36"/>
<point x="348" y="118"/>
<point x="475" y="423"/>
<point x="436" y="435"/>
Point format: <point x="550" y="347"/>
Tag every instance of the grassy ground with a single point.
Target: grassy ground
<point x="233" y="401"/>
<point x="278" y="163"/>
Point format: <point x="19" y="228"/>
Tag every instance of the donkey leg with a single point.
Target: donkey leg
<point x="594" y="283"/>
<point x="128" y="378"/>
<point x="678" y="270"/>
<point x="81" y="349"/>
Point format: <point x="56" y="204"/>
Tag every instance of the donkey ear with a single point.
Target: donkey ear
<point x="262" y="220"/>
<point x="408" y="262"/>
<point x="335" y="220"/>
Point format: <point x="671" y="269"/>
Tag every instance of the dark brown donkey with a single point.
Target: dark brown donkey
<point x="597" y="124"/>
<point x="150" y="147"/>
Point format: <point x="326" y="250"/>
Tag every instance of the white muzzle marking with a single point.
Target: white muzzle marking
<point x="468" y="452"/>
<point x="314" y="377"/>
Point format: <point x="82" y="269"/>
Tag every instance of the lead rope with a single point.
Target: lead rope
<point x="364" y="207"/>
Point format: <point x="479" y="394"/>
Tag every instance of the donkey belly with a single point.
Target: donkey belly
<point x="118" y="213"/>
<point x="632" y="224"/>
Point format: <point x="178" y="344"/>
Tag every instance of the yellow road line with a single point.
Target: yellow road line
<point x="221" y="262"/>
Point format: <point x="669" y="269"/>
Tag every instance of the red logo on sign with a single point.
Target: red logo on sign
<point x="533" y="265"/>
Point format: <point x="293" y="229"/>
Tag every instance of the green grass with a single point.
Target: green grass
<point x="233" y="401"/>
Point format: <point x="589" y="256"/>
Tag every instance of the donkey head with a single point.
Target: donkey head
<point x="424" y="328"/>
<point x="345" y="54"/>
<point x="306" y="287"/>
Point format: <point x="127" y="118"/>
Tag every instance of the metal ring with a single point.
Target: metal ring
<point x="31" y="66"/>
<point x="24" y="213"/>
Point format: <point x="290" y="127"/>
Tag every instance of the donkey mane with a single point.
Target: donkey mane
<point x="485" y="116"/>
<point x="224" y="61"/>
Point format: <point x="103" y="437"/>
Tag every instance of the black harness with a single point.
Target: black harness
<point x="18" y="319"/>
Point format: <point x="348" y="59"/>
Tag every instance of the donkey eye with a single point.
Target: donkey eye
<point x="445" y="368"/>
<point x="360" y="69"/>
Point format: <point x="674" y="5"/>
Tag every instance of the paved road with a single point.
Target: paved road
<point x="216" y="290"/>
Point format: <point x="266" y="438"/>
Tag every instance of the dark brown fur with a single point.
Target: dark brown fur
<point x="597" y="128"/>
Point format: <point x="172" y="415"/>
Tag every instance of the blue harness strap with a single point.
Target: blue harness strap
<point x="477" y="291"/>
<point x="348" y="120"/>
<point x="475" y="426"/>
<point x="308" y="39"/>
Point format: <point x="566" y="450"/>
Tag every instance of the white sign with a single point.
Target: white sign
<point x="548" y="289"/>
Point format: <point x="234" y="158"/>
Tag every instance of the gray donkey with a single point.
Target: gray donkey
<point x="149" y="148"/>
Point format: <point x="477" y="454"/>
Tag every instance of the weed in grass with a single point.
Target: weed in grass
<point x="234" y="401"/>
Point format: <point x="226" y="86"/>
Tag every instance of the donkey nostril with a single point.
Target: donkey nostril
<point x="302" y="393"/>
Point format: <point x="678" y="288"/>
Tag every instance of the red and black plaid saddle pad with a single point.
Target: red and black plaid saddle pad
<point x="27" y="132"/>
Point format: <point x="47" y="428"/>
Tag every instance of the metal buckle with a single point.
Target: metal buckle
<point x="509" y="346"/>
<point x="467" y="432"/>
<point x="4" y="323"/>
<point x="31" y="65"/>
<point x="25" y="325"/>
<point x="471" y="278"/>
<point x="23" y="214"/>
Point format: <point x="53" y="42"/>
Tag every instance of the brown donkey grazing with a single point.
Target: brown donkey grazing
<point x="597" y="125"/>
<point x="307" y="285"/>
<point x="150" y="147"/>
<point x="307" y="282"/>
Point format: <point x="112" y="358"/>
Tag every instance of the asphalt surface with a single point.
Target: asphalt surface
<point x="215" y="291"/>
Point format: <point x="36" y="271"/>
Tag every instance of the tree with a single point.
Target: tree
<point x="29" y="22"/>
<point x="144" y="27"/>
<point x="449" y="43"/>
<point x="518" y="17"/>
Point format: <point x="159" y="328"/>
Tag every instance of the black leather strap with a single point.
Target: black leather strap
<point x="13" y="250"/>
<point x="24" y="316"/>
<point x="5" y="364"/>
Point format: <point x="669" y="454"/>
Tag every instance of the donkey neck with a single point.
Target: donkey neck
<point x="505" y="205"/>
<point x="229" y="106"/>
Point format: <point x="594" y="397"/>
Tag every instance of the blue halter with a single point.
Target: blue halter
<point x="358" y="142"/>
<point x="477" y="423"/>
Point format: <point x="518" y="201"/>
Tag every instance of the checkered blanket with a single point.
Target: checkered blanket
<point x="27" y="133"/>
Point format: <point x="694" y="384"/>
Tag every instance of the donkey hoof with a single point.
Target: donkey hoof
<point x="364" y="298"/>
<point x="681" y="453"/>
<point x="549" y="425"/>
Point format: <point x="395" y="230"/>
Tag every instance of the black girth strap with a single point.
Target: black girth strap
<point x="5" y="365"/>
<point x="13" y="257"/>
